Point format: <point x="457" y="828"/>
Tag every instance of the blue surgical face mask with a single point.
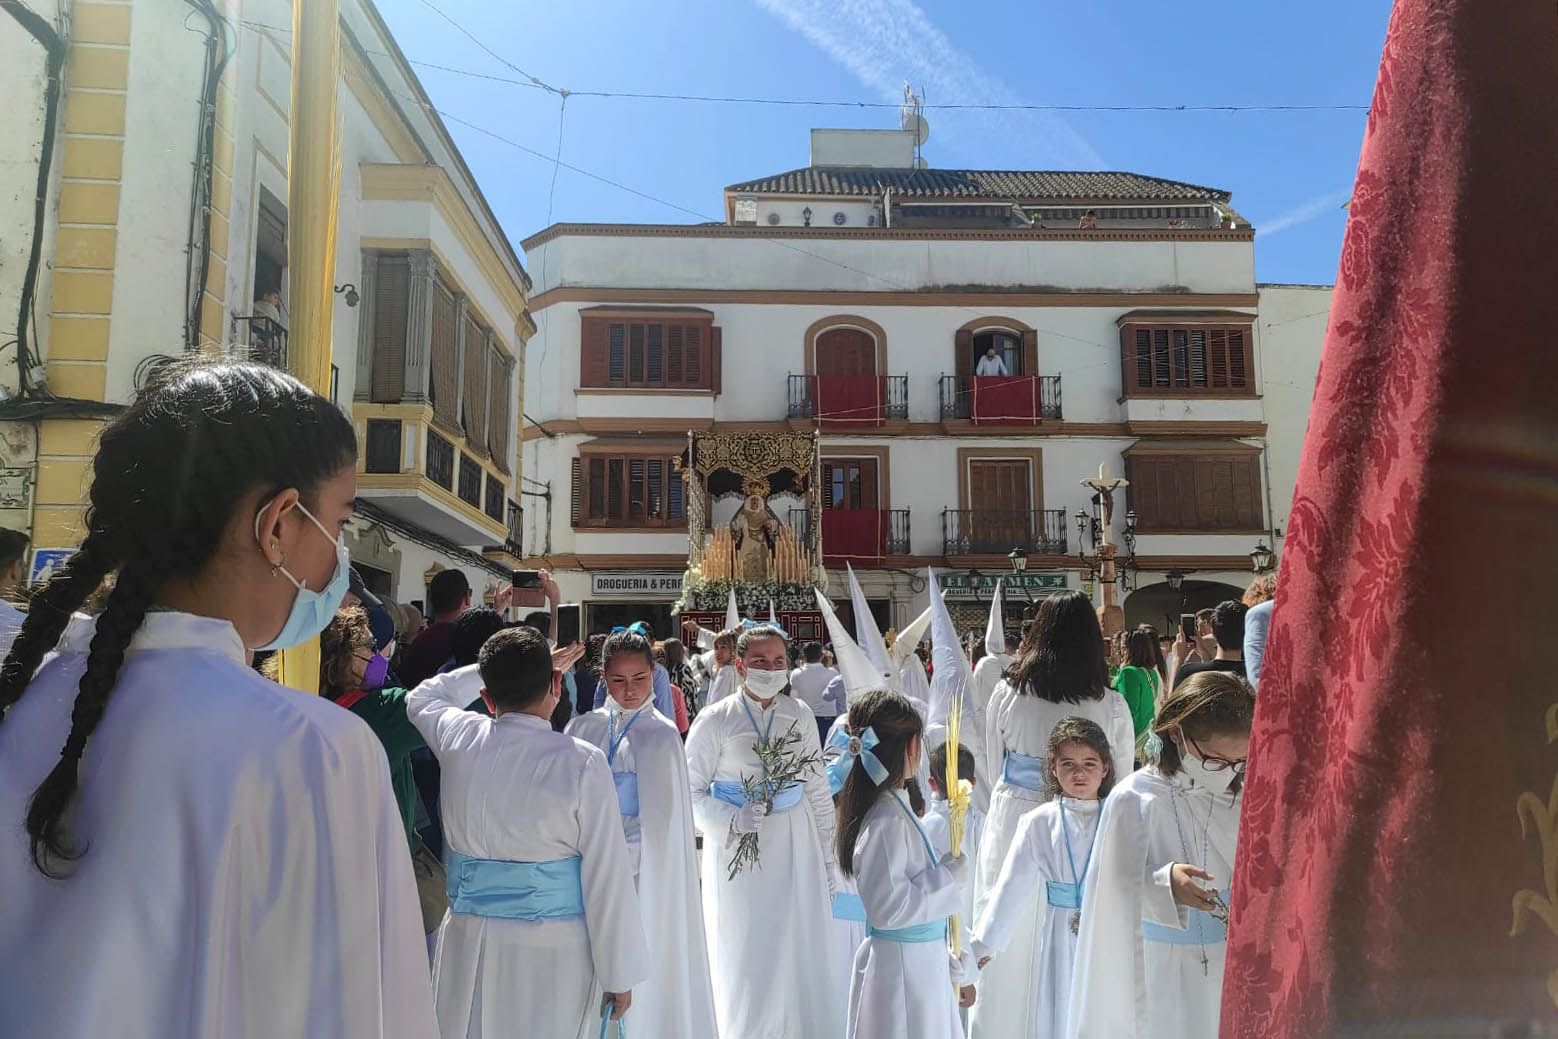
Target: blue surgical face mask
<point x="311" y="611"/>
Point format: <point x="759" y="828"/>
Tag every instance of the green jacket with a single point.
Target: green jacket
<point x="385" y="712"/>
<point x="1140" y="688"/>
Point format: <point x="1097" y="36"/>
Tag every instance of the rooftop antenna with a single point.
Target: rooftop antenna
<point x="911" y="117"/>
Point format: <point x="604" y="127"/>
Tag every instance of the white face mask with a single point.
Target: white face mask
<point x="765" y="685"/>
<point x="1216" y="781"/>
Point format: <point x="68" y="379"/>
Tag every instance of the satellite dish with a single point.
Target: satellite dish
<point x="911" y="120"/>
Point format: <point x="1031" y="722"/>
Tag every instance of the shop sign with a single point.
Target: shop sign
<point x="967" y="588"/>
<point x="634" y="584"/>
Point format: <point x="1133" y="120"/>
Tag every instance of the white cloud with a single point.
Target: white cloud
<point x="885" y="43"/>
<point x="1314" y="209"/>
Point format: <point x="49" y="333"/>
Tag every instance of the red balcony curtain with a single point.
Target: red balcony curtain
<point x="850" y="400"/>
<point x="854" y="535"/>
<point x="1003" y="400"/>
<point x="1396" y="856"/>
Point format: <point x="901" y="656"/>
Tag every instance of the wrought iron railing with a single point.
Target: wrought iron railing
<point x="956" y="397"/>
<point x="892" y="400"/>
<point x="470" y="480"/>
<point x="897" y="530"/>
<point x="514" y="545"/>
<point x="983" y="532"/>
<point x="267" y="341"/>
<point x="495" y="497"/>
<point x="440" y="461"/>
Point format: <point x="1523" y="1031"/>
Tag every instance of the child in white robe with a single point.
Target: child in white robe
<point x="1059" y="673"/>
<point x="649" y="769"/>
<point x="904" y="972"/>
<point x="938" y="816"/>
<point x="1155" y="903"/>
<point x="1046" y="864"/>
<point x="768" y="925"/>
<point x="543" y="917"/>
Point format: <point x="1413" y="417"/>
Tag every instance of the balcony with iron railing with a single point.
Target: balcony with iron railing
<point x="995" y="532"/>
<point x="412" y="466"/>
<point x="856" y="535"/>
<point x="1000" y="400"/>
<point x="848" y="401"/>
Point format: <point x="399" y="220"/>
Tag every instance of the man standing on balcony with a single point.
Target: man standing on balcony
<point x="991" y="363"/>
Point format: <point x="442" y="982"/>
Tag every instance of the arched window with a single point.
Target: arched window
<point x="1016" y="345"/>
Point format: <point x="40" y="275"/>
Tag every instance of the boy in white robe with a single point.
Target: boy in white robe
<point x="543" y="916"/>
<point x="1153" y="934"/>
<point x="649" y="769"/>
<point x="768" y="926"/>
<point x="938" y="821"/>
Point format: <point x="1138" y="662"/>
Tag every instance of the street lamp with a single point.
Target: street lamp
<point x="1175" y="579"/>
<point x="1260" y="558"/>
<point x="1019" y="558"/>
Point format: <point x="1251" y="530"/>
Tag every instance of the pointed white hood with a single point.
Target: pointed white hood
<point x="995" y="627"/>
<point x="900" y="651"/>
<point x="732" y="612"/>
<point x="860" y="675"/>
<point x="951" y="666"/>
<point x="773" y="615"/>
<point x="869" y="635"/>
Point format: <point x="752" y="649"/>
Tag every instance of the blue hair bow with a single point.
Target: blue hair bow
<point x="636" y="628"/>
<point x="852" y="747"/>
<point x="750" y="623"/>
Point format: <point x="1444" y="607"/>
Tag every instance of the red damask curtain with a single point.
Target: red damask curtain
<point x="1398" y="855"/>
<point x="996" y="400"/>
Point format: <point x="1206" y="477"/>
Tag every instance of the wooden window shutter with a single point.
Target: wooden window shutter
<point x="675" y="496"/>
<point x="473" y="403"/>
<point x="696" y="364"/>
<point x="1238" y="359"/>
<point x="963" y="353"/>
<point x="635" y="354"/>
<point x="716" y="361"/>
<point x="576" y="507"/>
<point x="445" y="383"/>
<point x="499" y="392"/>
<point x="1030" y="353"/>
<point x="654" y="351"/>
<point x="617" y="352"/>
<point x="870" y="497"/>
<point x="391" y="291"/>
<point x="593" y="352"/>
<point x="675" y="339"/>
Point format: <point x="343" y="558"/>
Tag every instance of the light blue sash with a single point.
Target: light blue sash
<point x="934" y="931"/>
<point x="1203" y="929"/>
<point x="627" y="792"/>
<point x="1023" y="770"/>
<point x="605" y="1024"/>
<point x="731" y="793"/>
<point x="847" y="906"/>
<point x="1062" y="895"/>
<point x="515" y="890"/>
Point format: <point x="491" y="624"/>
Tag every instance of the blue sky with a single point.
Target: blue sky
<point x="1289" y="171"/>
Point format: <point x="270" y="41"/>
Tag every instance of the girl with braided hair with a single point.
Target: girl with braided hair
<point x="209" y="853"/>
<point x="1154" y="926"/>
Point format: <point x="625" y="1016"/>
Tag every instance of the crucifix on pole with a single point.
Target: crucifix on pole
<point x="1111" y="615"/>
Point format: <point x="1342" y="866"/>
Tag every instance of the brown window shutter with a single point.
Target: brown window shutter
<point x="391" y="290"/>
<point x="445" y="341"/>
<point x="1030" y="353"/>
<point x="716" y="372"/>
<point x="963" y="353"/>
<point x="1238" y="360"/>
<point x="576" y="508"/>
<point x="593" y="353"/>
<point x="696" y="366"/>
<point x="675" y="337"/>
<point x="473" y="405"/>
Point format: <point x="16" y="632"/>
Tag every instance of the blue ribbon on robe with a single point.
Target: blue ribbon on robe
<point x="934" y="931"/>
<point x="847" y="906"/>
<point x="605" y="1024"/>
<point x="549" y="890"/>
<point x="729" y="791"/>
<point x="1203" y="929"/>
<point x="1062" y="895"/>
<point x="1023" y="770"/>
<point x="627" y="792"/>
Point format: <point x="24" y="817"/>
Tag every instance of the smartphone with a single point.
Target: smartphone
<point x="526" y="578"/>
<point x="569" y="623"/>
<point x="1187" y="624"/>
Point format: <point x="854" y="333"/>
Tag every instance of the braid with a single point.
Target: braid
<point x="48" y="614"/>
<point x="127" y="605"/>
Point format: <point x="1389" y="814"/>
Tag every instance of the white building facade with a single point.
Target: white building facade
<point x="854" y="302"/>
<point x="162" y="235"/>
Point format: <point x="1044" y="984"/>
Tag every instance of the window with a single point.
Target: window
<point x="1014" y="342"/>
<point x="627" y="491"/>
<point x="383" y="447"/>
<point x="497" y="497"/>
<point x="445" y="383"/>
<point x="1180" y="360"/>
<point x="470" y="480"/>
<point x="391" y="290"/>
<point x="668" y="353"/>
<point x="851" y="483"/>
<point x="1196" y="491"/>
<point x="473" y="385"/>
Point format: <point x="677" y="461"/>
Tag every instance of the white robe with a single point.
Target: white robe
<point x="1038" y="856"/>
<point x="901" y="990"/>
<point x="987" y="675"/>
<point x="1021" y="723"/>
<point x="677" y="1002"/>
<point x="246" y="872"/>
<point x="514" y="790"/>
<point x="768" y="928"/>
<point x="938" y="827"/>
<point x="1176" y="996"/>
